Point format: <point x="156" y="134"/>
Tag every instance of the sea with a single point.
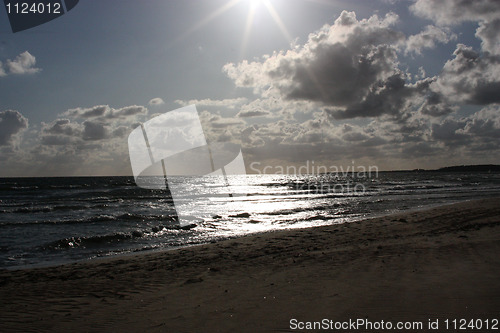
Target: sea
<point x="52" y="221"/>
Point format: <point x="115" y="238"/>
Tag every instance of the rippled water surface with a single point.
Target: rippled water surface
<point x="56" y="220"/>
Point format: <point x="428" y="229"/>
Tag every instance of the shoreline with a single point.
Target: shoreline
<point x="433" y="263"/>
<point x="160" y="250"/>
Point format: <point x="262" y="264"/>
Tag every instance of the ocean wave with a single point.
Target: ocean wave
<point x="89" y="241"/>
<point x="100" y="240"/>
<point x="169" y="219"/>
<point x="46" y="209"/>
<point x="326" y="207"/>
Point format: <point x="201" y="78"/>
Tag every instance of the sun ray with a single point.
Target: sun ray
<point x="277" y="20"/>
<point x="219" y="11"/>
<point x="254" y="4"/>
<point x="248" y="27"/>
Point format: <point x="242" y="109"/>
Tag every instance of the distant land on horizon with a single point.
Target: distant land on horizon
<point x="464" y="168"/>
<point x="455" y="168"/>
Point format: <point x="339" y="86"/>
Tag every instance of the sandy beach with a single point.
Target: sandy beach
<point x="430" y="265"/>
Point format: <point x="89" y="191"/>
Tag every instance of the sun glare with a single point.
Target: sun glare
<point x="255" y="3"/>
<point x="253" y="7"/>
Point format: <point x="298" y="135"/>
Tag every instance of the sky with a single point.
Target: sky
<point x="388" y="83"/>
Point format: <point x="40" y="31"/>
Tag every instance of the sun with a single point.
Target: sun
<point x="254" y="6"/>
<point x="255" y="3"/>
<point x="253" y="9"/>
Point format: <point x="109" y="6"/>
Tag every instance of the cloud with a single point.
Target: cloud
<point x="484" y="123"/>
<point x="447" y="131"/>
<point x="127" y="112"/>
<point x="470" y="78"/>
<point x="104" y="113"/>
<point x="85" y="141"/>
<point x="23" y="64"/>
<point x="353" y="133"/>
<point x="156" y="101"/>
<point x="93" y="131"/>
<point x="12" y="123"/>
<point x="477" y="130"/>
<point x="252" y="113"/>
<point x="61" y="127"/>
<point x="451" y="12"/>
<point x="96" y="127"/>
<point x="2" y="71"/>
<point x="260" y="108"/>
<point x="488" y="33"/>
<point x="84" y="113"/>
<point x="230" y="103"/>
<point x="350" y="69"/>
<point x="61" y="132"/>
<point x="428" y="39"/>
<point x="391" y="97"/>
<point x="214" y="121"/>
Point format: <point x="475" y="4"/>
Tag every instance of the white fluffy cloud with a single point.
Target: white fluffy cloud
<point x="97" y="123"/>
<point x="469" y="78"/>
<point x="156" y="101"/>
<point x="428" y="39"/>
<point x="24" y="63"/>
<point x="85" y="140"/>
<point x="488" y="33"/>
<point x="452" y="12"/>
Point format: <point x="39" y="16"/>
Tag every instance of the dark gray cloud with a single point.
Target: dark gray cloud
<point x="103" y="112"/>
<point x="62" y="127"/>
<point x="391" y="97"/>
<point x="477" y="130"/>
<point x="128" y="111"/>
<point x="252" y="113"/>
<point x="436" y="105"/>
<point x="447" y="131"/>
<point x="484" y="123"/>
<point x="84" y="113"/>
<point x="93" y="131"/>
<point x="94" y="128"/>
<point x="61" y="132"/>
<point x="121" y="131"/>
<point x="11" y="124"/>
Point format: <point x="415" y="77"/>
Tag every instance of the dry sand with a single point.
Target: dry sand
<point x="442" y="263"/>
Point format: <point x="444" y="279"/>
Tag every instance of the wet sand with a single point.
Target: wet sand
<point x="437" y="264"/>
